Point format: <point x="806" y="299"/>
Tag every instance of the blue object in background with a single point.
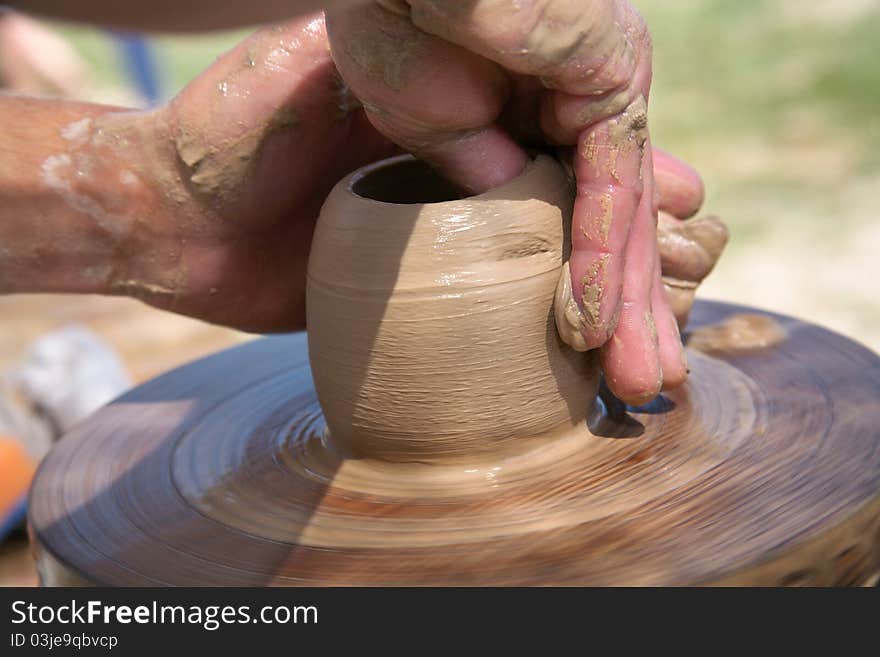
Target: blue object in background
<point x="14" y="518"/>
<point x="140" y="64"/>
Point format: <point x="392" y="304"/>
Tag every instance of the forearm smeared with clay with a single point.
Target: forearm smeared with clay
<point x="74" y="192"/>
<point x="204" y="207"/>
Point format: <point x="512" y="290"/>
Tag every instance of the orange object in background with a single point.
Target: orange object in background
<point x="16" y="471"/>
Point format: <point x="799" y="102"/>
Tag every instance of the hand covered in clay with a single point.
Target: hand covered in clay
<point x="259" y="139"/>
<point x="205" y="207"/>
<point x="465" y="84"/>
<point x="688" y="249"/>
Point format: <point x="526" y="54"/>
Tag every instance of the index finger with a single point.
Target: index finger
<point x="607" y="166"/>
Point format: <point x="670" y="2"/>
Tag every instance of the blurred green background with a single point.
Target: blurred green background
<point x="775" y="102"/>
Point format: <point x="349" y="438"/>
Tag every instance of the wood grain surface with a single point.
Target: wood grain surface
<point x="763" y="470"/>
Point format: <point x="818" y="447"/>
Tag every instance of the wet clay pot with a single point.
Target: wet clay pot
<point x="435" y="431"/>
<point x="430" y="317"/>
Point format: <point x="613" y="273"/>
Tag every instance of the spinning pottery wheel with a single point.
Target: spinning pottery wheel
<point x="451" y="438"/>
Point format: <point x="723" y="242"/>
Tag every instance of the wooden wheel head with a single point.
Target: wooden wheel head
<point x="763" y="470"/>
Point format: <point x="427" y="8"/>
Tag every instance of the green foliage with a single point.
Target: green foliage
<point x="775" y="101"/>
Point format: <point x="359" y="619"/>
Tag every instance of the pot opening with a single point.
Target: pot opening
<point x="405" y="181"/>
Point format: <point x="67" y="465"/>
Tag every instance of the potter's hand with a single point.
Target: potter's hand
<point x="205" y="207"/>
<point x="464" y="83"/>
<point x="688" y="249"/>
<point x="261" y="138"/>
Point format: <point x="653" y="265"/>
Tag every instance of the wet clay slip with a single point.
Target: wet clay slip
<point x="434" y="429"/>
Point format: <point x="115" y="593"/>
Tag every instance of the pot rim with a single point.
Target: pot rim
<point x="349" y="181"/>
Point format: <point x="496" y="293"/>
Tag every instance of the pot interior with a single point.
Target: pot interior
<point x="405" y="181"/>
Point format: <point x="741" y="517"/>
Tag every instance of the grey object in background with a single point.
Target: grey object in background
<point x="63" y="377"/>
